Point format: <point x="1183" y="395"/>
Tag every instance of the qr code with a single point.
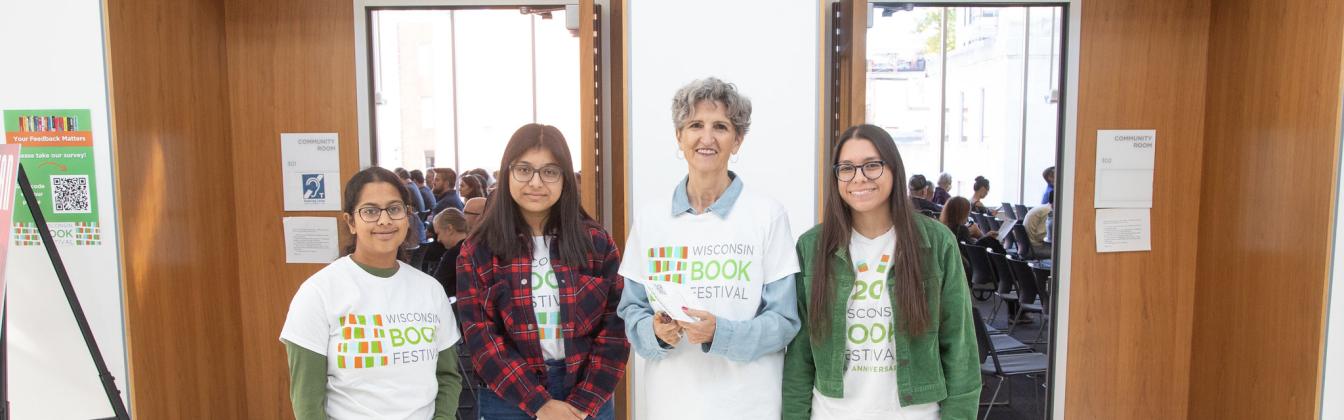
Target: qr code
<point x="70" y="193"/>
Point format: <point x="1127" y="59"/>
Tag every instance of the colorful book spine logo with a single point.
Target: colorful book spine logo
<point x="668" y="264"/>
<point x="41" y="123"/>
<point x="549" y="326"/>
<point x="882" y="265"/>
<point x="361" y="344"/>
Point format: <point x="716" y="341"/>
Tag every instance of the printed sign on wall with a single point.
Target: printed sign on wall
<point x="57" y="155"/>
<point x="311" y="167"/>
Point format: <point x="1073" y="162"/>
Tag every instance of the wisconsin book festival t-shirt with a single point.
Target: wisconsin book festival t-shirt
<point x="381" y="337"/>
<point x="724" y="262"/>
<point x="546" y="301"/>
<point x="871" y="388"/>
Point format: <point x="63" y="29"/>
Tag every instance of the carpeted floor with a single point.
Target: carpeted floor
<point x="1028" y="395"/>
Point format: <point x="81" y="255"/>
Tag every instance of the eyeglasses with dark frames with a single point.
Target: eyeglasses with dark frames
<point x="872" y="170"/>
<point x="395" y="211"/>
<point x="524" y="173"/>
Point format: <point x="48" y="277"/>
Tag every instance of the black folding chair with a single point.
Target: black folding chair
<point x="981" y="221"/>
<point x="472" y="384"/>
<point x="418" y="256"/>
<point x="1003" y="366"/>
<point x="1024" y="250"/>
<point x="1042" y="276"/>
<point x="983" y="283"/>
<point x="1003" y="276"/>
<point x="1026" y="293"/>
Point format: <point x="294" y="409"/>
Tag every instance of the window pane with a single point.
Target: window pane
<point x="1042" y="100"/>
<point x="985" y="129"/>
<point x="558" y="80"/>
<point x="494" y="83"/>
<point x="421" y="121"/>
<point x="413" y="91"/>
<point x="904" y="84"/>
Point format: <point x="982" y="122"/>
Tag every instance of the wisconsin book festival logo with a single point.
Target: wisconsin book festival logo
<point x="314" y="188"/>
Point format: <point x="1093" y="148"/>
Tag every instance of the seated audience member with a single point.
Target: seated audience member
<point x="1037" y="224"/>
<point x="955" y="215"/>
<point x="417" y="235"/>
<point x="451" y="227"/>
<point x="940" y="192"/>
<point x="472" y="186"/>
<point x="445" y="190"/>
<point x="981" y="189"/>
<point x="418" y="180"/>
<point x="473" y="210"/>
<point x="920" y="192"/>
<point x="488" y="179"/>
<point x="417" y="202"/>
<point x="1049" y="175"/>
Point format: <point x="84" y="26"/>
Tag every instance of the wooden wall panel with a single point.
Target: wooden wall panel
<point x="290" y="69"/>
<point x="589" y="89"/>
<point x="1142" y="66"/>
<point x="1266" y="208"/>
<point x="174" y="172"/>
<point x="853" y="64"/>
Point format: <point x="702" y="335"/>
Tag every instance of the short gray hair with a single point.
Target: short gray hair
<point x="945" y="178"/>
<point x="715" y="90"/>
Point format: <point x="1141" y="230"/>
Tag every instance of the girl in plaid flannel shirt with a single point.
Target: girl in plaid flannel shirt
<point x="537" y="289"/>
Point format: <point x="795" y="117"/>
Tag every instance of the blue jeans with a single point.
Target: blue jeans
<point x="492" y="407"/>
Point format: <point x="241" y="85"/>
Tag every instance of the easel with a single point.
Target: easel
<point x="109" y="384"/>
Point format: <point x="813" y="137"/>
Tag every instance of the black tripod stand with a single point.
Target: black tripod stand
<point x="109" y="385"/>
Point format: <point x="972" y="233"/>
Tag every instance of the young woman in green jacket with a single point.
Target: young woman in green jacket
<point x="887" y="330"/>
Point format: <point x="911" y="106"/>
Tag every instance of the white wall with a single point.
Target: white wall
<point x="770" y="53"/>
<point x="54" y="59"/>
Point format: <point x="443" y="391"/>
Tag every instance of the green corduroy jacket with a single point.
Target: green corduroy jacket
<point x="941" y="366"/>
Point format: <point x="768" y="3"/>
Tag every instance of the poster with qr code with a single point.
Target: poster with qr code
<point x="57" y="155"/>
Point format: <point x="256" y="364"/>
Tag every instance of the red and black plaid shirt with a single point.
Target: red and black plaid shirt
<point x="500" y="327"/>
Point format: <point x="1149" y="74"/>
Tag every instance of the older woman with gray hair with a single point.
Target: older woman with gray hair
<point x="709" y="301"/>
<point x="940" y="193"/>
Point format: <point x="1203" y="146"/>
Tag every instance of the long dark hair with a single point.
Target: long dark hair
<point x="502" y="228"/>
<point x="355" y="186"/>
<point x="476" y="184"/>
<point x="837" y="225"/>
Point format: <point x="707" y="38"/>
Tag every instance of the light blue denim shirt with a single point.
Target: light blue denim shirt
<point x="770" y="331"/>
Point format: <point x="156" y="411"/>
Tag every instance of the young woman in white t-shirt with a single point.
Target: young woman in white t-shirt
<point x="887" y="330"/>
<point x="369" y="336"/>
<point x="537" y="290"/>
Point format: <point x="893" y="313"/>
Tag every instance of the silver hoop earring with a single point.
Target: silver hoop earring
<point x="735" y="158"/>
<point x="677" y="153"/>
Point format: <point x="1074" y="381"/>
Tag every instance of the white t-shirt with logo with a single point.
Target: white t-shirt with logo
<point x="725" y="264"/>
<point x="871" y="388"/>
<point x="546" y="301"/>
<point x="381" y="337"/>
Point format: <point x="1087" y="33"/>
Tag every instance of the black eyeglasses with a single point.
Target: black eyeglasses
<point x="396" y="211"/>
<point x="872" y="170"/>
<point x="524" y="173"/>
